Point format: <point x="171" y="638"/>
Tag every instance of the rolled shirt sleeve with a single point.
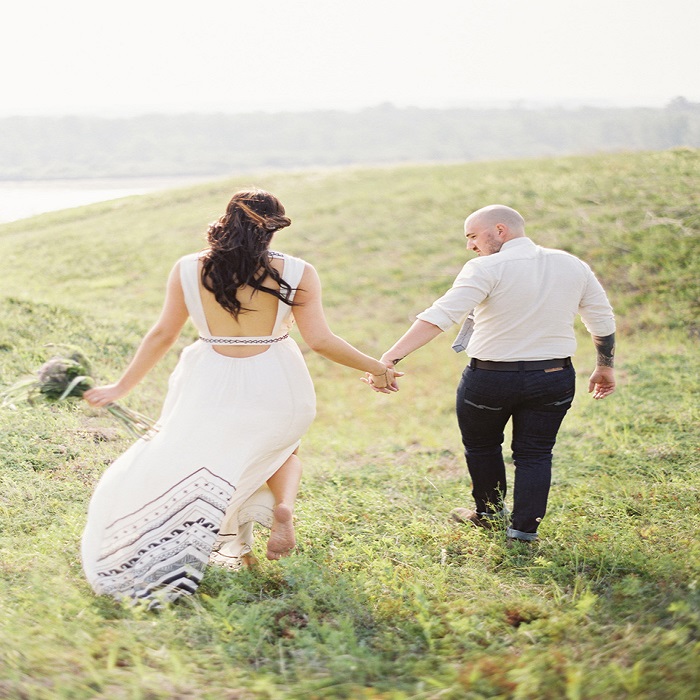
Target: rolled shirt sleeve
<point x="471" y="286"/>
<point x="594" y="308"/>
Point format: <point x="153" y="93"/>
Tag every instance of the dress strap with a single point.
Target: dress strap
<point x="190" y="288"/>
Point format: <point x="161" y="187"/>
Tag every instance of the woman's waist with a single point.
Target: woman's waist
<point x="244" y="340"/>
<point x="264" y="345"/>
<point x="244" y="345"/>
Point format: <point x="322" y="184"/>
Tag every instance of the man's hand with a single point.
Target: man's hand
<point x="602" y="382"/>
<point x="383" y="384"/>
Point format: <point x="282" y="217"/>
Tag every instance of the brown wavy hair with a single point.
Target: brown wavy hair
<point x="238" y="252"/>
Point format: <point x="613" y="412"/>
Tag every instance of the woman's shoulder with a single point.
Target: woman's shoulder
<point x="190" y="257"/>
<point x="292" y="262"/>
<point x="294" y="268"/>
<point x="285" y="256"/>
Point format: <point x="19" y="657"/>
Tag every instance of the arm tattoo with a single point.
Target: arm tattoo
<point x="605" y="348"/>
<point x="396" y="361"/>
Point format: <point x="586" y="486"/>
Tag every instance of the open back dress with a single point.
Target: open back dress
<point x="192" y="489"/>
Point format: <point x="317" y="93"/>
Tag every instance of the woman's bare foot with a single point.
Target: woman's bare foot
<point x="282" y="540"/>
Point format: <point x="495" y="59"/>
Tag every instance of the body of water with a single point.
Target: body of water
<point x="22" y="199"/>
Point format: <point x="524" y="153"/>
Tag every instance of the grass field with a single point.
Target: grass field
<point x="384" y="598"/>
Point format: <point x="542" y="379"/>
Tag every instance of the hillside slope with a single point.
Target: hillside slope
<point x="388" y="239"/>
<point x="386" y="598"/>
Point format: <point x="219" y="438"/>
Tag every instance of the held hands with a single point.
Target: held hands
<point x="602" y="382"/>
<point x="384" y="383"/>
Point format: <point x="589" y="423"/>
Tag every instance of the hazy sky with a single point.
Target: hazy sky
<point x="128" y="57"/>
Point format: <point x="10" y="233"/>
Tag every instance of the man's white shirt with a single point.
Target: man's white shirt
<point x="525" y="299"/>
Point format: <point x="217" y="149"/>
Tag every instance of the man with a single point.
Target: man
<point x="524" y="300"/>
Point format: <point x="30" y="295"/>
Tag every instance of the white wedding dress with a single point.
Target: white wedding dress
<point x="192" y="489"/>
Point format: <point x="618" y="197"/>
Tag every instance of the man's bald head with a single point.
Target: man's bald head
<point x="488" y="228"/>
<point x="498" y="214"/>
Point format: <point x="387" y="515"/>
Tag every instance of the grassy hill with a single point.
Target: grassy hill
<point x="385" y="598"/>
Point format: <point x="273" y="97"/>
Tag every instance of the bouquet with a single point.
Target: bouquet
<point x="66" y="377"/>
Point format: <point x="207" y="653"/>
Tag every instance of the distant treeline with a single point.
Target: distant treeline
<point x="222" y="144"/>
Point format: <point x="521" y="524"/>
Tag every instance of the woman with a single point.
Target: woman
<point x="224" y="453"/>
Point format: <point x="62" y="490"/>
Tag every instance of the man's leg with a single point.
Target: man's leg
<point x="483" y="409"/>
<point x="536" y="422"/>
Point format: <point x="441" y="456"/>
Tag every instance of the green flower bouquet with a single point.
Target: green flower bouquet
<point x="68" y="377"/>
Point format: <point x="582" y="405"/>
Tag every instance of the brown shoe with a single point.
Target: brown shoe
<point x="464" y="515"/>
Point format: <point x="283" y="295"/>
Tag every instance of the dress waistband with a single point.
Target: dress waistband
<point x="243" y="340"/>
<point x="524" y="365"/>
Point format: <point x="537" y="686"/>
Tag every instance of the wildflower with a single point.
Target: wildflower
<point x="66" y="377"/>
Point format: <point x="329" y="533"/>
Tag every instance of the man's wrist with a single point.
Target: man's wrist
<point x="605" y="350"/>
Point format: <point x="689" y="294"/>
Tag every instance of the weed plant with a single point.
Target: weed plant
<point x="385" y="598"/>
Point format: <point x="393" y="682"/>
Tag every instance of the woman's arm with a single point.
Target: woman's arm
<point x="314" y="329"/>
<point x="153" y="347"/>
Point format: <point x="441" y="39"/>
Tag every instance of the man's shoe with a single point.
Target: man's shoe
<point x="464" y="515"/>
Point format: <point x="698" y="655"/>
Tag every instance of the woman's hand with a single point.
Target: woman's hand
<point x="384" y="383"/>
<point x="103" y="395"/>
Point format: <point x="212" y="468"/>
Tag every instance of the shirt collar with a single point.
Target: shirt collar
<point x="517" y="243"/>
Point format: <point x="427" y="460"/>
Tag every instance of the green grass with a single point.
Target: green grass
<point x="385" y="598"/>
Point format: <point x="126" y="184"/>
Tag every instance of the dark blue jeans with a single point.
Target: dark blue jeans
<point x="537" y="401"/>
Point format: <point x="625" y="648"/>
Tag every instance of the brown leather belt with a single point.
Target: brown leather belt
<point x="521" y="365"/>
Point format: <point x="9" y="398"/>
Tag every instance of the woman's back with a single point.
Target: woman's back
<point x="257" y="320"/>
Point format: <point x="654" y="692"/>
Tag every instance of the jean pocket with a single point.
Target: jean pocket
<point x="564" y="401"/>
<point x="482" y="406"/>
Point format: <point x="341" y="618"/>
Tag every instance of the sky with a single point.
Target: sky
<point x="167" y="56"/>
